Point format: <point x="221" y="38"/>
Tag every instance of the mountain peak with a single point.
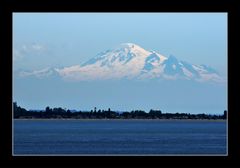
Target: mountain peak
<point x="132" y="48"/>
<point x="129" y="45"/>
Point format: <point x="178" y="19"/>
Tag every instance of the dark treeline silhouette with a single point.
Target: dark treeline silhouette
<point x="59" y="112"/>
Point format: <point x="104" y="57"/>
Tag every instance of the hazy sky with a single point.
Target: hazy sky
<point x="63" y="39"/>
<point x="43" y="40"/>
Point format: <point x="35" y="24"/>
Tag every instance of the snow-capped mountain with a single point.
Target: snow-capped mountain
<point x="130" y="61"/>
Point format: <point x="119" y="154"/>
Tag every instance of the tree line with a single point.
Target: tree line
<point x="59" y="112"/>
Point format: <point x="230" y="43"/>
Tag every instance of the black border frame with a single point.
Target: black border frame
<point x="9" y="6"/>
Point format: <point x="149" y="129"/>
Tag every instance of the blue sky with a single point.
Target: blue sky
<point x="43" y="40"/>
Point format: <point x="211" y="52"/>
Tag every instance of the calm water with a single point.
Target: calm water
<point x="119" y="137"/>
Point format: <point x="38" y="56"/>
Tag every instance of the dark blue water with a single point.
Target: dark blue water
<point x="119" y="137"/>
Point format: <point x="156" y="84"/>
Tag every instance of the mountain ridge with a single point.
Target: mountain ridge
<point x="130" y="61"/>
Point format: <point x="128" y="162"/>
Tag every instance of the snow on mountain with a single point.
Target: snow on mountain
<point x="130" y="61"/>
<point x="126" y="60"/>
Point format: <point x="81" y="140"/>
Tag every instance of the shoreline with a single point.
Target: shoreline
<point x="54" y="119"/>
